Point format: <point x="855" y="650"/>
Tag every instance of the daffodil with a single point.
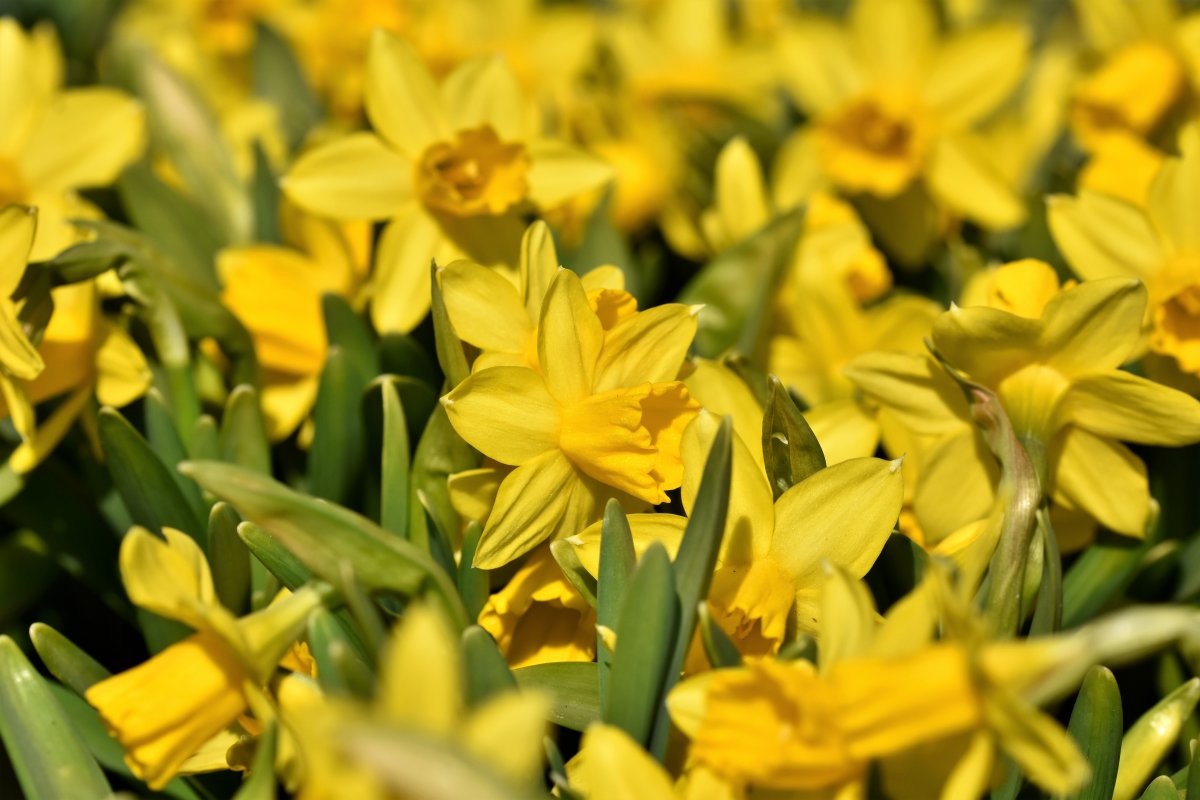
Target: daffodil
<point x="1105" y="237"/>
<point x="276" y="292"/>
<point x="19" y="359"/>
<point x="886" y="694"/>
<point x="538" y="617"/>
<point x="602" y="417"/>
<point x="57" y="141"/>
<point x="501" y="319"/>
<point x="894" y="110"/>
<point x="170" y="708"/>
<point x="452" y="167"/>
<point x="351" y="747"/>
<point x="1058" y="380"/>
<point x="769" y="570"/>
<point x="610" y="765"/>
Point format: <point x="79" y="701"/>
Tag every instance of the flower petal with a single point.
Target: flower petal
<point x="649" y="346"/>
<point x="957" y="483"/>
<point x="484" y="91"/>
<point x="1104" y="237"/>
<point x="893" y="38"/>
<point x="986" y="343"/>
<point x="17" y="227"/>
<point x="484" y="308"/>
<point x="169" y="577"/>
<point x="646" y="529"/>
<point x="401" y="98"/>
<point x="818" y="65"/>
<point x="974" y="72"/>
<point x="505" y="413"/>
<point x="914" y="388"/>
<point x="1093" y="326"/>
<point x="355" y="177"/>
<point x="720" y="391"/>
<point x="1122" y="406"/>
<point x="1103" y="478"/>
<point x="560" y="172"/>
<point x="844" y="429"/>
<point x="1174" y="194"/>
<point x="843" y="514"/>
<point x="84" y="139"/>
<point x="960" y="175"/>
<point x="569" y="339"/>
<point x="402" y="282"/>
<point x="611" y="765"/>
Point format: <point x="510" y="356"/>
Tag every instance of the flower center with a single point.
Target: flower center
<point x="751" y="603"/>
<point x="875" y="143"/>
<point x="12" y="185"/>
<point x="475" y="174"/>
<point x="1177" y="328"/>
<point x="1131" y="92"/>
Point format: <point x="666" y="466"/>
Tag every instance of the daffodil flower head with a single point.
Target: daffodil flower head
<point x="451" y="167"/>
<point x="19" y="359"/>
<point x="1019" y="287"/>
<point x="602" y="417"/>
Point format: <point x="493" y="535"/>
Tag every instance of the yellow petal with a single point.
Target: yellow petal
<point x="539" y="500"/>
<point x="402" y="101"/>
<point x="797" y="173"/>
<point x="355" y="177"/>
<point x="286" y="404"/>
<point x="648" y="346"/>
<point x="1175" y="190"/>
<point x="842" y="514"/>
<point x="484" y="308"/>
<point x="913" y="388"/>
<point x="722" y="392"/>
<point x="1093" y="326"/>
<point x="18" y="356"/>
<point x="473" y="492"/>
<point x="956" y="486"/>
<point x="1103" y="478"/>
<point x="844" y="429"/>
<point x="894" y="38"/>
<point x="1104" y="237"/>
<point x="847" y="619"/>
<point x="611" y="766"/>
<point x="169" y="577"/>
<point x="484" y="91"/>
<point x="569" y="339"/>
<point x="506" y="734"/>
<point x="741" y="197"/>
<point x="974" y="72"/>
<point x="646" y="529"/>
<point x="539" y="264"/>
<point x="819" y="66"/>
<point x="421" y="674"/>
<point x="19" y="96"/>
<point x="960" y="175"/>
<point x="20" y="407"/>
<point x="402" y="282"/>
<point x="1122" y="406"/>
<point x="986" y="343"/>
<point x="122" y="374"/>
<point x="505" y="413"/>
<point x="1044" y="751"/>
<point x="561" y="172"/>
<point x="84" y="140"/>
<point x="42" y="442"/>
<point x="17" y="227"/>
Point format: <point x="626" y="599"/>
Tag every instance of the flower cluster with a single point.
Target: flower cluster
<point x="733" y="399"/>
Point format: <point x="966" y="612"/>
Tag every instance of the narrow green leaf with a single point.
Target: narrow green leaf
<point x="167" y="444"/>
<point x="347" y="330"/>
<point x="244" y="431"/>
<point x="1047" y="617"/>
<point x="1096" y="724"/>
<point x="719" y="648"/>
<point x="393" y="501"/>
<point x="571" y="684"/>
<point x="695" y="561"/>
<point x="278" y="78"/>
<point x="618" y="559"/>
<point x="791" y="451"/>
<point x="50" y="759"/>
<point x="487" y="671"/>
<point x="335" y="457"/>
<point x="27" y="572"/>
<point x="264" y="193"/>
<point x="401" y="354"/>
<point x="646" y="634"/>
<point x="321" y="534"/>
<point x="278" y="560"/>
<point x="260" y="782"/>
<point x="205" y="443"/>
<point x="441" y="452"/>
<point x="146" y="486"/>
<point x="229" y="558"/>
<point x="572" y="569"/>
<point x="363" y="612"/>
<point x="339" y="668"/>
<point x="75" y="668"/>
<point x="473" y="584"/>
<point x="1161" y="788"/>
<point x="1150" y="738"/>
<point x="1098" y="576"/>
<point x="1193" y="773"/>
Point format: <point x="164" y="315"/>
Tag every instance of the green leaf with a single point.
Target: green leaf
<point x="146" y="486"/>
<point x="791" y="451"/>
<point x="50" y="758"/>
<point x="487" y="672"/>
<point x="719" y="648"/>
<point x="229" y="558"/>
<point x="400" y="354"/>
<point x="278" y="560"/>
<point x="571" y="684"/>
<point x="336" y="454"/>
<point x="572" y="569"/>
<point x="1193" y="775"/>
<point x="473" y="584"/>
<point x="265" y="196"/>
<point x="27" y="572"/>
<point x="738" y="286"/>
<point x="321" y="534"/>
<point x="205" y="442"/>
<point x="82" y="262"/>
<point x="394" y="493"/>
<point x="260" y="781"/>
<point x="441" y="452"/>
<point x="618" y="559"/>
<point x="244" y="431"/>
<point x="1047" y="617"/>
<point x="1096" y="724"/>
<point x="1150" y="738"/>
<point x="278" y="78"/>
<point x="164" y="439"/>
<point x="646" y="633"/>
<point x="65" y="660"/>
<point x="1161" y="788"/>
<point x="339" y="668"/>
<point x="602" y="244"/>
<point x="695" y="561"/>
<point x="1098" y="576"/>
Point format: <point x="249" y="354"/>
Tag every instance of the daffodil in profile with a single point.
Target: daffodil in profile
<point x="602" y="417"/>
<point x="55" y="140"/>
<point x="895" y="108"/>
<point x="452" y="167"/>
<point x="182" y="701"/>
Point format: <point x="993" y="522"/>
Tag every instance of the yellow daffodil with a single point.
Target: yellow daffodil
<point x="601" y="418"/>
<point x="610" y="765"/>
<point x="889" y="695"/>
<point x="166" y="710"/>
<point x="19" y="359"/>
<point x="769" y="570"/>
<point x="1058" y="380"/>
<point x="500" y="319"/>
<point x="347" y="746"/>
<point x="276" y="292"/>
<point x="894" y="108"/>
<point x="1104" y="237"/>
<point x="56" y="141"/>
<point x="538" y="617"/>
<point x="824" y="330"/>
<point x="452" y="167"/>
